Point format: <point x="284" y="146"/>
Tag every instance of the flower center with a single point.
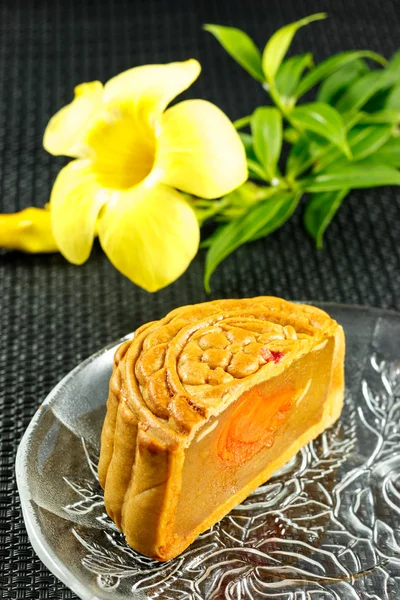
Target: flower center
<point x="123" y="151"/>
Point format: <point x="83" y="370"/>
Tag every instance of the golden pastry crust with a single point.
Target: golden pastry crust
<point x="177" y="374"/>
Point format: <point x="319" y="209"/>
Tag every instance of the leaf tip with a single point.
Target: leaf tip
<point x="206" y="282"/>
<point x="319" y="16"/>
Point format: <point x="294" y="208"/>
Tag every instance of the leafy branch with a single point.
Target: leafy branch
<point x="347" y="138"/>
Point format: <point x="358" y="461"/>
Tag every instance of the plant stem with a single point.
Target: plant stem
<point x="243" y="122"/>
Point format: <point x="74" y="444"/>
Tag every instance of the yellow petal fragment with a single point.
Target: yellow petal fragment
<point x="199" y="150"/>
<point x="150" y="234"/>
<point x="75" y="202"/>
<point x="147" y="90"/>
<point x="66" y="131"/>
<point x="28" y="230"/>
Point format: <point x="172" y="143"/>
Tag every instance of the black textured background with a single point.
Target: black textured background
<point x="53" y="314"/>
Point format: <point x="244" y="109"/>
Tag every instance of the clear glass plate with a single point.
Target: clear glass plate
<point x="327" y="526"/>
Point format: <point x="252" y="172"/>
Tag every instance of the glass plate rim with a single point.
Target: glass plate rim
<point x="36" y="538"/>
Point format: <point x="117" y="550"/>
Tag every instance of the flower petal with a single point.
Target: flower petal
<point x="199" y="150"/>
<point x="150" y="234"/>
<point x="66" y="130"/>
<point x="122" y="150"/>
<point x="147" y="90"/>
<point x="75" y="202"/>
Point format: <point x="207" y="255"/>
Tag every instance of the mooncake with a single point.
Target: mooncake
<point x="205" y="405"/>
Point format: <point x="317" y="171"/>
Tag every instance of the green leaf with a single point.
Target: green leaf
<point x="241" y="47"/>
<point x="289" y="73"/>
<point x="351" y="119"/>
<point x="364" y="88"/>
<point x="279" y="43"/>
<point x="379" y="100"/>
<point x="323" y="120"/>
<point x="353" y="175"/>
<point x="363" y="141"/>
<point x="336" y="83"/>
<point x="299" y="156"/>
<point x="320" y="211"/>
<point x="312" y="150"/>
<point x="256" y="171"/>
<point x="303" y="152"/>
<point x="394" y="63"/>
<point x="387" y="115"/>
<point x="229" y="237"/>
<point x="366" y="140"/>
<point x="266" y="127"/>
<point x="388" y="154"/>
<point x="393" y="99"/>
<point x="285" y="211"/>
<point x="332" y="64"/>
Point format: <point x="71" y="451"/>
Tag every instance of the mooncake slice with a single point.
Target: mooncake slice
<point x="205" y="405"/>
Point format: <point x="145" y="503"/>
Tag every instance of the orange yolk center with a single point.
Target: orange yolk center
<point x="253" y="425"/>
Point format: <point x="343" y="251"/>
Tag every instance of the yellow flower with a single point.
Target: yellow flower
<point x="133" y="155"/>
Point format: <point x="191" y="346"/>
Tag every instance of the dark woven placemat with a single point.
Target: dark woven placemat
<point x="52" y="314"/>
